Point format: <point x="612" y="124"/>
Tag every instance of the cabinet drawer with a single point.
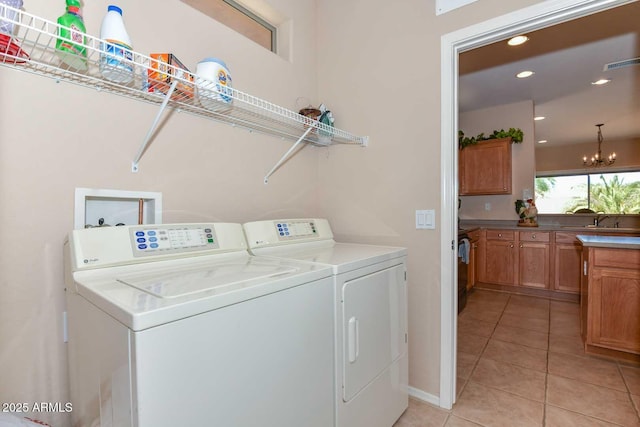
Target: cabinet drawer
<point x="570" y="237"/>
<point x="534" y="236"/>
<point x="616" y="258"/>
<point x="562" y="237"/>
<point x="501" y="235"/>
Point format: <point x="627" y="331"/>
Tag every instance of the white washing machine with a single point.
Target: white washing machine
<point x="370" y="303"/>
<point x="177" y="325"/>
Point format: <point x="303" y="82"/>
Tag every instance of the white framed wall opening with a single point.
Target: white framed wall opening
<point x="532" y="18"/>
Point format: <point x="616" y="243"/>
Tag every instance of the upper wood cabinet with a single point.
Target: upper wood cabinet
<point x="485" y="168"/>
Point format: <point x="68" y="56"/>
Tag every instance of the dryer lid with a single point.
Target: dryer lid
<point x="342" y="257"/>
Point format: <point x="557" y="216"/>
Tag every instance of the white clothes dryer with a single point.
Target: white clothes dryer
<point x="370" y="306"/>
<point x="177" y="325"/>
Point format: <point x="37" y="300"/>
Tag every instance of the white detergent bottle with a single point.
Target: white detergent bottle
<point x="116" y="55"/>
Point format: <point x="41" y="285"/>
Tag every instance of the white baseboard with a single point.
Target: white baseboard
<point x="424" y="396"/>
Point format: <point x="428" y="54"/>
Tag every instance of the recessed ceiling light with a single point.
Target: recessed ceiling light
<point x="517" y="40"/>
<point x="601" y="82"/>
<point x="542" y="141"/>
<point x="524" y="74"/>
<point x="539" y="118"/>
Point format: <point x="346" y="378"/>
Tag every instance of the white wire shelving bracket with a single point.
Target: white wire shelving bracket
<point x="32" y="48"/>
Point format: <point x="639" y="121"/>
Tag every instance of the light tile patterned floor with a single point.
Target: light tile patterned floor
<point x="521" y="363"/>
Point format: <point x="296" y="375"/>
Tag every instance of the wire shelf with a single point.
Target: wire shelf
<point x="32" y="48"/>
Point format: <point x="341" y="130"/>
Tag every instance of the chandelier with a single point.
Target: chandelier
<point x="597" y="159"/>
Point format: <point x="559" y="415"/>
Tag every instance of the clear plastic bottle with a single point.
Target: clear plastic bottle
<point x="71" y="45"/>
<point x="116" y="56"/>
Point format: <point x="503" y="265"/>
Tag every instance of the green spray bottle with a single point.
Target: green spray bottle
<point x="71" y="43"/>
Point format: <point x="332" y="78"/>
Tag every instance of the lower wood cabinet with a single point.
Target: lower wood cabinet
<point x="533" y="262"/>
<point x="516" y="258"/>
<point x="498" y="260"/>
<point x="532" y="259"/>
<point x="567" y="269"/>
<point x="611" y="300"/>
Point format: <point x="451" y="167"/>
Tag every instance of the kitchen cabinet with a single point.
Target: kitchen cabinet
<point x="174" y="88"/>
<point x="515" y="258"/>
<point x="610" y="298"/>
<point x="567" y="252"/>
<point x="485" y="168"/>
<point x="472" y="267"/>
<point x="498" y="259"/>
<point x="547" y="261"/>
<point x="534" y="259"/>
<point x="566" y="258"/>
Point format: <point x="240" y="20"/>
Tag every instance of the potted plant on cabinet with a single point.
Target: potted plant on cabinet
<point x="515" y="134"/>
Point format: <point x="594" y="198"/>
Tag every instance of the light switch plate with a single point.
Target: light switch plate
<point x="426" y="219"/>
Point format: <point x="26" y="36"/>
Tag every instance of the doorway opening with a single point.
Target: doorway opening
<point x="529" y="19"/>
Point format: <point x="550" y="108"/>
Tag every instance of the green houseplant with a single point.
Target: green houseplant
<point x="515" y="134"/>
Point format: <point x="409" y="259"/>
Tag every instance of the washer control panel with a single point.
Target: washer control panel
<point x="295" y="229"/>
<point x="152" y="240"/>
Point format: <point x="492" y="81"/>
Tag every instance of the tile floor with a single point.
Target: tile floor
<point x="521" y="363"/>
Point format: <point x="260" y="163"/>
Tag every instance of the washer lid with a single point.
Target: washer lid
<point x="342" y="257"/>
<point x="145" y="295"/>
<point x="220" y="276"/>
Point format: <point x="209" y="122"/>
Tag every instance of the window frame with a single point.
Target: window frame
<point x="588" y="173"/>
<point x="240" y="19"/>
<point x="268" y="26"/>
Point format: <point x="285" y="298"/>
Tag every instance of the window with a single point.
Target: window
<point x="239" y="18"/>
<point x="613" y="193"/>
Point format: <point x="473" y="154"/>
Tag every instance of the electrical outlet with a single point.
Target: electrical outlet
<point x="487" y="206"/>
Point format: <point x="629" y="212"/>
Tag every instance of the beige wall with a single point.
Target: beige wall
<point x="517" y="115"/>
<point x="569" y="157"/>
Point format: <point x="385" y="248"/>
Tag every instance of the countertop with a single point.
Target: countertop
<point x="618" y="242"/>
<point x="509" y="225"/>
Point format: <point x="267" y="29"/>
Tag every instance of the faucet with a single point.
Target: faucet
<point x="598" y="219"/>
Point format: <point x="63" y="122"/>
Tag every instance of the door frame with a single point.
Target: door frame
<point x="544" y="14"/>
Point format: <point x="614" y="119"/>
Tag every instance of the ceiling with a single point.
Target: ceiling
<point x="566" y="58"/>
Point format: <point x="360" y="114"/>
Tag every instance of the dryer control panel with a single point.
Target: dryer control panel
<point x="284" y="231"/>
<point x="295" y="229"/>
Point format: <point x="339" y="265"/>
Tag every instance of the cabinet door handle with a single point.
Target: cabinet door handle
<point x="533" y="236"/>
<point x="511" y="245"/>
<point x="499" y="234"/>
<point x="521" y="245"/>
